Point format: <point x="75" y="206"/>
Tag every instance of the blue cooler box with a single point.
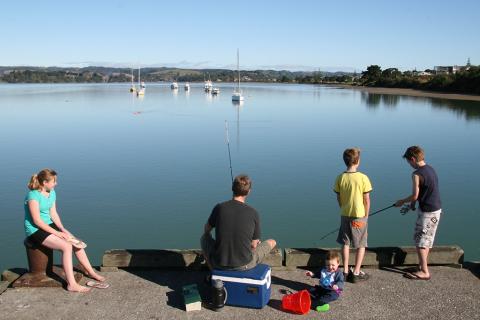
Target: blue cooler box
<point x="251" y="288"/>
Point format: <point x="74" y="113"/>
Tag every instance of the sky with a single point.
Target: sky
<point x="306" y="35"/>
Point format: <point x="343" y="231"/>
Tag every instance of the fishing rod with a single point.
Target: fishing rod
<point x="372" y="214"/>
<point x="227" y="140"/>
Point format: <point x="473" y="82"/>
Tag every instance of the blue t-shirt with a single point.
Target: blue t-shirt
<point x="44" y="203"/>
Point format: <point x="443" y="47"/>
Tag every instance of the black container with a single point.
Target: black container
<point x="218" y="295"/>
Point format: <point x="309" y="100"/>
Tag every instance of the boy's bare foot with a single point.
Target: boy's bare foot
<point x="78" y="288"/>
<point x="420" y="275"/>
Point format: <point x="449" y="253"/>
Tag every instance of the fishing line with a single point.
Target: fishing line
<point x="372" y="214"/>
<point x="227" y="140"/>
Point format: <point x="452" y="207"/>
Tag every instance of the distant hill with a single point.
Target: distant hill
<point x="32" y="74"/>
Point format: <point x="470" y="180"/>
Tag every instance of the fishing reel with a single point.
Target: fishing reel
<point x="406" y="208"/>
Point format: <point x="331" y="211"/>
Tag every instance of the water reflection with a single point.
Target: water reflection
<point x="238" y="105"/>
<point x="469" y="110"/>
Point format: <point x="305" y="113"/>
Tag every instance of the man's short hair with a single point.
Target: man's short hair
<point x="414" y="152"/>
<point x="351" y="156"/>
<point x="241" y="185"/>
<point x="332" y="255"/>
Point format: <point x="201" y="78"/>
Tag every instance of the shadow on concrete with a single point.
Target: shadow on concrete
<point x="388" y="256"/>
<point x="473" y="267"/>
<point x="163" y="259"/>
<point x="316" y="257"/>
<point x="275" y="304"/>
<point x="174" y="279"/>
<point x="398" y="270"/>
<point x="292" y="285"/>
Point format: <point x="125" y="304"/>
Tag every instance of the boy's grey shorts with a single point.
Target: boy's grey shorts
<point x="353" y="232"/>
<point x="208" y="248"/>
<point x="426" y="228"/>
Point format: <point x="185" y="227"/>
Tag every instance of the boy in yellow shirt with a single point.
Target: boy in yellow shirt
<point x="353" y="195"/>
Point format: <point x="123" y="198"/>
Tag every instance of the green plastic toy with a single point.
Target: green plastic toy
<point x="323" y="308"/>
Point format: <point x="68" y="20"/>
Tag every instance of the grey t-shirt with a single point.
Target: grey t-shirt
<point x="236" y="225"/>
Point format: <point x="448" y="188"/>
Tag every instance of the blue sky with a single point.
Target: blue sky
<point x="293" y="35"/>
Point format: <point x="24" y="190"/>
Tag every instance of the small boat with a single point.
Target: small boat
<point x="215" y="91"/>
<point x="141" y="85"/>
<point x="132" y="87"/>
<point x="187" y="86"/>
<point x="208" y="86"/>
<point x="237" y="93"/>
<point x="174" y="85"/>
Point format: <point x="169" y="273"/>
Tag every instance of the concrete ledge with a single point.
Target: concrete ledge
<point x="167" y="258"/>
<point x="376" y="257"/>
<point x="11" y="275"/>
<point x="3" y="286"/>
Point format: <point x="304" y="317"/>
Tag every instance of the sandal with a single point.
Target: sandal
<point x="98" y="285"/>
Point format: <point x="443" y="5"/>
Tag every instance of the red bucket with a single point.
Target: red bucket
<point x="297" y="302"/>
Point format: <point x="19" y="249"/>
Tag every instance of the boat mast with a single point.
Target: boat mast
<point x="238" y="69"/>
<point x="139" y="76"/>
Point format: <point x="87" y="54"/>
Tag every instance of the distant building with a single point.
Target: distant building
<point x="421" y="73"/>
<point x="448" y="69"/>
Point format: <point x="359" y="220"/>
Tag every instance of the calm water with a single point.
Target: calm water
<point x="145" y="173"/>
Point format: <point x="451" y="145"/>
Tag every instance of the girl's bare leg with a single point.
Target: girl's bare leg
<point x="56" y="243"/>
<point x="83" y="259"/>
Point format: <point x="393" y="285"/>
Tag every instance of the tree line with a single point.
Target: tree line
<point x="467" y="80"/>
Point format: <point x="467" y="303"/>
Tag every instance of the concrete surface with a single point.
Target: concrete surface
<point x="155" y="294"/>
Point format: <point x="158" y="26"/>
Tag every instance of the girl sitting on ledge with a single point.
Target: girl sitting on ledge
<point x="43" y="226"/>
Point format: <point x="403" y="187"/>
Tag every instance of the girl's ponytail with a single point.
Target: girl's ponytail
<point x="34" y="184"/>
<point x="37" y="180"/>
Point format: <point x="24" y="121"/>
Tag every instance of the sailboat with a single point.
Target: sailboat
<point x="187" y="86"/>
<point x="208" y="85"/>
<point x="237" y="93"/>
<point x="141" y="85"/>
<point x="174" y="85"/>
<point x="132" y="87"/>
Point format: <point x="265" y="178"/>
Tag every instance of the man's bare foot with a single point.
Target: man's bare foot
<point x="78" y="288"/>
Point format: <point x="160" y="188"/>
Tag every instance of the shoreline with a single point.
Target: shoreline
<point x="409" y="92"/>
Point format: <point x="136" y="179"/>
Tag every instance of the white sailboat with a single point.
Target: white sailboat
<point x="141" y="85"/>
<point x="208" y="85"/>
<point x="237" y="93"/>
<point x="132" y="87"/>
<point x="174" y="85"/>
<point x="187" y="86"/>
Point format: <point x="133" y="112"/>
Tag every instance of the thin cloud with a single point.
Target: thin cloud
<point x="185" y="64"/>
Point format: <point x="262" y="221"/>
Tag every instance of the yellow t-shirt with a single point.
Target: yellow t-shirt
<point x="351" y="186"/>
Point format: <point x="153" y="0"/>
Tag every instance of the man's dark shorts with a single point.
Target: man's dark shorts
<point x="208" y="248"/>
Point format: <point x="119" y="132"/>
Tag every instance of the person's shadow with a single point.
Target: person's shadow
<point x="174" y="278"/>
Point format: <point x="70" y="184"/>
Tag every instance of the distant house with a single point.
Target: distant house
<point x="421" y="73"/>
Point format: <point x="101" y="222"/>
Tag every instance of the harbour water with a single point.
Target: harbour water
<point x="146" y="172"/>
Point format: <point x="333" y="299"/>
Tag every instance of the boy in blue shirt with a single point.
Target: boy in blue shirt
<point x="331" y="281"/>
